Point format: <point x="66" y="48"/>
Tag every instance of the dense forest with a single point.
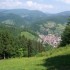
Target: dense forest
<point x="19" y="33"/>
<point x="17" y="42"/>
<point x="13" y="44"/>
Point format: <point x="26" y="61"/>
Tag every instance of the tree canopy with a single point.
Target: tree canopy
<point x="66" y="35"/>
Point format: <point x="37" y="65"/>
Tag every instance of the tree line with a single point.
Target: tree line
<point x="17" y="46"/>
<point x="65" y="37"/>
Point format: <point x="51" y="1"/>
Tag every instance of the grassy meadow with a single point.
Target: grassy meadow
<point x="32" y="63"/>
<point x="56" y="59"/>
<point x="28" y="35"/>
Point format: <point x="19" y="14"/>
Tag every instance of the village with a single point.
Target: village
<point x="51" y="39"/>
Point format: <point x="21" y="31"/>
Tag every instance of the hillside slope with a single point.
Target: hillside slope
<point x="58" y="59"/>
<point x="29" y="35"/>
<point x="35" y="20"/>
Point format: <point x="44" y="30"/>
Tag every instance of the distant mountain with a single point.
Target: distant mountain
<point x="30" y="16"/>
<point x="60" y="17"/>
<point x="15" y="19"/>
<point x="33" y="15"/>
<point x="65" y="13"/>
<point x="35" y="20"/>
<point x="23" y="12"/>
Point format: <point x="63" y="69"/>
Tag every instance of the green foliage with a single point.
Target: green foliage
<point x="22" y="64"/>
<point x="66" y="36"/>
<point x="36" y="21"/>
<point x="17" y="45"/>
<point x="56" y="57"/>
<point x="55" y="52"/>
<point x="28" y="35"/>
<point x="59" y="59"/>
<point x="58" y="62"/>
<point x="52" y="28"/>
<point x="29" y="45"/>
<point x="6" y="43"/>
<point x="48" y="47"/>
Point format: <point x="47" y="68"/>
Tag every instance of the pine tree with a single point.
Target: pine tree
<point x="6" y="44"/>
<point x="66" y="36"/>
<point x="29" y="45"/>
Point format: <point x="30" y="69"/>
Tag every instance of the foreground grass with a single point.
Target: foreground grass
<point x="58" y="63"/>
<point x="56" y="59"/>
<point x="22" y="64"/>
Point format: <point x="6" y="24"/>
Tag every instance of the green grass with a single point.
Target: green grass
<point x="28" y="35"/>
<point x="22" y="64"/>
<point x="56" y="59"/>
<point x="55" y="52"/>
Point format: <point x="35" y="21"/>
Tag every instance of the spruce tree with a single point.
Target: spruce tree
<point x="66" y="36"/>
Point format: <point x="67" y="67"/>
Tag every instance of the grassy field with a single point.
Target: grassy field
<point x="22" y="64"/>
<point x="56" y="59"/>
<point x="28" y="35"/>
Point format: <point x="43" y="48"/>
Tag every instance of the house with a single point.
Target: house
<point x="50" y="39"/>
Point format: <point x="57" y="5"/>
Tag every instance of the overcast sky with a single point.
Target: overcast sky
<point x="50" y="6"/>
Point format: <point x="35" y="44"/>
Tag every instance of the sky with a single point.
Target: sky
<point x="48" y="6"/>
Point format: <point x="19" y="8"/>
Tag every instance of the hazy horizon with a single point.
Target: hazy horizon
<point x="51" y="6"/>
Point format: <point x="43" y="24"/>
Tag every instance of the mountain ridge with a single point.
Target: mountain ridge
<point x="35" y="20"/>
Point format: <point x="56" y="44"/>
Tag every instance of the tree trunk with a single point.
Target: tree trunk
<point x="4" y="56"/>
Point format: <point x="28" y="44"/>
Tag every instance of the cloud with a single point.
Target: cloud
<point x="37" y="6"/>
<point x="10" y="4"/>
<point x="28" y="4"/>
<point x="65" y="1"/>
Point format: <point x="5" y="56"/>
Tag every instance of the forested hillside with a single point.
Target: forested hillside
<point x="33" y="40"/>
<point x="15" y="42"/>
<point x="35" y="20"/>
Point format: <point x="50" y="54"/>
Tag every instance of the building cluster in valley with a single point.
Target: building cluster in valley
<point x="51" y="39"/>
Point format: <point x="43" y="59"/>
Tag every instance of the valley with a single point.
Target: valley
<point x="34" y="40"/>
<point x="50" y="39"/>
<point x="35" y="21"/>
